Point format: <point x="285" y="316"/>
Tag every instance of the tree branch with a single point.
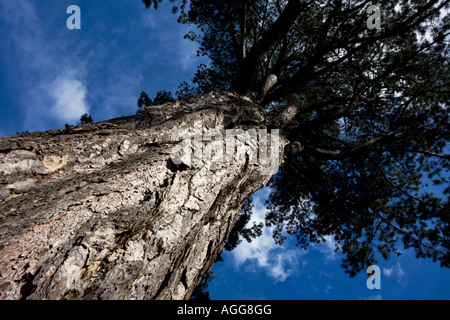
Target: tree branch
<point x="282" y="118"/>
<point x="425" y="152"/>
<point x="339" y="155"/>
<point x="332" y="115"/>
<point x="403" y="26"/>
<point x="296" y="82"/>
<point x="244" y="32"/>
<point x="246" y="76"/>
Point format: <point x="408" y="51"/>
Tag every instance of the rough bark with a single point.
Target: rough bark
<point x="101" y="212"/>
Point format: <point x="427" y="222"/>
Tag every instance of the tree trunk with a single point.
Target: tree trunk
<point x="102" y="211"/>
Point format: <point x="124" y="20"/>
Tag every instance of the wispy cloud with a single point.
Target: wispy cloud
<point x="263" y="253"/>
<point x="329" y="248"/>
<point x="278" y="262"/>
<point x="170" y="36"/>
<point x="19" y="13"/>
<point x="57" y="74"/>
<point x="395" y="272"/>
<point x="188" y="54"/>
<point x="325" y="288"/>
<point x="49" y="86"/>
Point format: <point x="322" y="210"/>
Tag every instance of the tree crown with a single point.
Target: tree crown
<point x="366" y="112"/>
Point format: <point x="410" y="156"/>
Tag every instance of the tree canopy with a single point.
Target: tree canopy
<point x="86" y="118"/>
<point x="161" y="97"/>
<point x="365" y="110"/>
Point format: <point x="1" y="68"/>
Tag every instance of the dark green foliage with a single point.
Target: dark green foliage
<point x="201" y="292"/>
<point x="240" y="231"/>
<point x="185" y="90"/>
<point x="163" y="97"/>
<point x="85" y="119"/>
<point x="149" y="3"/>
<point x="144" y="100"/>
<point x="371" y="115"/>
<point x="155" y="3"/>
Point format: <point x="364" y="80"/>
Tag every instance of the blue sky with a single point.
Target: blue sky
<point x="265" y="270"/>
<point x="50" y="76"/>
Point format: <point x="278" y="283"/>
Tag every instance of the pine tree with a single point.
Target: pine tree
<point x="103" y="212"/>
<point x="144" y="100"/>
<point x="365" y="111"/>
<point x="85" y="119"/>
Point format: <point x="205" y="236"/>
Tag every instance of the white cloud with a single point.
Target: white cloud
<point x="277" y="262"/>
<point x="329" y="248"/>
<point x="48" y="87"/>
<point x="395" y="272"/>
<point x="69" y="94"/>
<point x="388" y="272"/>
<point x="58" y="75"/>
